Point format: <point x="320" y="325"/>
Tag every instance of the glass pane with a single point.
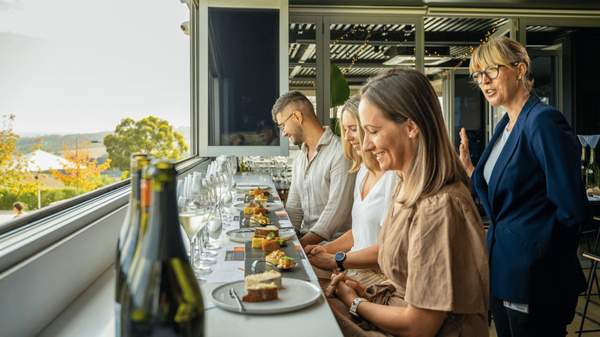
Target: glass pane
<point x="543" y="66"/>
<point x="303" y="60"/>
<point x="469" y="114"/>
<point x="544" y="45"/>
<point x="67" y="83"/>
<point x="449" y="42"/>
<point x="243" y="76"/>
<point x="361" y="51"/>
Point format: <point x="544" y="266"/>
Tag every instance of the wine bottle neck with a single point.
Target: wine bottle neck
<point x="163" y="228"/>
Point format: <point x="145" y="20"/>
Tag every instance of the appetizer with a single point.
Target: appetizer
<point x="261" y="292"/>
<point x="270" y="276"/>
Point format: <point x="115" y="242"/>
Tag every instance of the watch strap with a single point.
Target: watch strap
<point x="354" y="306"/>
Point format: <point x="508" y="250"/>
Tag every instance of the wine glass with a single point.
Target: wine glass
<point x="191" y="225"/>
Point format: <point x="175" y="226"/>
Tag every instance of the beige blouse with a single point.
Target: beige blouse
<point x="434" y="256"/>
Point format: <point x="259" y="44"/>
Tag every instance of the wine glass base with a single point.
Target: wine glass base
<point x="206" y="260"/>
<point x="213" y="246"/>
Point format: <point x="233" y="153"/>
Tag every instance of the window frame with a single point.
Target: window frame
<point x="70" y="206"/>
<point x="202" y="40"/>
<point x="74" y="242"/>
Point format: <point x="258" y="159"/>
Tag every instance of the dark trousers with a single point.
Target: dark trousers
<point x="512" y="323"/>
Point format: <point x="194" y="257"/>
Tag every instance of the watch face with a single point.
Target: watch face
<point x="339" y="256"/>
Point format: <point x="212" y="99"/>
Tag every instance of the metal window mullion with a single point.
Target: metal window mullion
<point x="420" y="45"/>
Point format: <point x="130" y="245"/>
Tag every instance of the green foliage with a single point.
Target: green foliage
<point x="150" y="135"/>
<point x="13" y="166"/>
<point x="29" y="198"/>
<point x="340" y="90"/>
<point x="82" y="172"/>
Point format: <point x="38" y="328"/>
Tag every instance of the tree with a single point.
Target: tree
<point x="14" y="175"/>
<point x="82" y="172"/>
<point x="150" y="135"/>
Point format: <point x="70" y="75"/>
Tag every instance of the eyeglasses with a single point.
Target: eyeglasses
<point x="282" y="124"/>
<point x="491" y="72"/>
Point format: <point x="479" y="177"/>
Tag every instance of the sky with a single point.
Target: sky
<point x="77" y="66"/>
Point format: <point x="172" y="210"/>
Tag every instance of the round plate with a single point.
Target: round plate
<point x="297" y="294"/>
<point x="246" y="188"/>
<point x="246" y="234"/>
<point x="270" y="206"/>
<point x="241" y="235"/>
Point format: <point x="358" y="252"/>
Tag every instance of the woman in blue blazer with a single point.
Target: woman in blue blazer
<point x="528" y="181"/>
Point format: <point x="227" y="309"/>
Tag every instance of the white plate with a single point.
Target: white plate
<point x="241" y="235"/>
<point x="297" y="294"/>
<point x="247" y="188"/>
<point x="270" y="206"/>
<point x="246" y="234"/>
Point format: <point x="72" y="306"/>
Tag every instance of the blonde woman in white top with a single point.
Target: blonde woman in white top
<point x="372" y="194"/>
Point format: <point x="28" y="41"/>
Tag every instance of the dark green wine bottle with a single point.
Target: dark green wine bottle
<point x="129" y="233"/>
<point x="163" y="297"/>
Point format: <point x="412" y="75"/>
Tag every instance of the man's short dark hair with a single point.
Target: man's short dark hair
<point x="292" y="97"/>
<point x="18" y="206"/>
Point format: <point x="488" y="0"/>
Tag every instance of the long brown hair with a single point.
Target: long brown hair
<point x="403" y="94"/>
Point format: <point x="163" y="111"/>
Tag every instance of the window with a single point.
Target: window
<point x="68" y="83"/>
<point x="242" y="71"/>
<point x="243" y="76"/>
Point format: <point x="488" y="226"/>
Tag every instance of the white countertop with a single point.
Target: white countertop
<point x="92" y="313"/>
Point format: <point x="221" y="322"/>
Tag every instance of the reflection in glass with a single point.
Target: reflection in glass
<point x="469" y="114"/>
<point x="243" y="76"/>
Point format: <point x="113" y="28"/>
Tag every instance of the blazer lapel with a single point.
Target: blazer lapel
<point x="478" y="178"/>
<point x="509" y="148"/>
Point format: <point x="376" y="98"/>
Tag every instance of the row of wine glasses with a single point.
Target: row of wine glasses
<point x="202" y="199"/>
<point x="277" y="167"/>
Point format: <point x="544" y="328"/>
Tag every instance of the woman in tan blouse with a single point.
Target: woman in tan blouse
<point x="431" y="244"/>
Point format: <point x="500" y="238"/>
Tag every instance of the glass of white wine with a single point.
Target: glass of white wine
<point x="192" y="225"/>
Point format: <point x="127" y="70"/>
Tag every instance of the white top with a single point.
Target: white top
<point x="494" y="154"/>
<point x="368" y="213"/>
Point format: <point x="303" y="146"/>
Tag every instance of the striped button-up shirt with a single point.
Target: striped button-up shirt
<point x="321" y="194"/>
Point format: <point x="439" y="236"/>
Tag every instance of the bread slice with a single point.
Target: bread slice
<point x="270" y="276"/>
<point x="261" y="232"/>
<point x="261" y="292"/>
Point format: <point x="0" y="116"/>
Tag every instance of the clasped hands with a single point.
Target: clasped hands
<point x="342" y="286"/>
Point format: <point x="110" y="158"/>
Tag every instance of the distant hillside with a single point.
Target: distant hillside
<point x="56" y="143"/>
<point x="91" y="141"/>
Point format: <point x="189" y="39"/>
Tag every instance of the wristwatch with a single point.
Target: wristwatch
<point x="354" y="306"/>
<point x="340" y="257"/>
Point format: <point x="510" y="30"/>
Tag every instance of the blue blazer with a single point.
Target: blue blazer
<point x="536" y="203"/>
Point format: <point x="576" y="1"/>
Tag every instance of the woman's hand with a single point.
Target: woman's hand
<point x="464" y="153"/>
<point x="319" y="257"/>
<point x="313" y="249"/>
<point x="345" y="288"/>
<point x="346" y="293"/>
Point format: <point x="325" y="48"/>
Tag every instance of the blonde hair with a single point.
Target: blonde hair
<point x="351" y="107"/>
<point x="403" y="94"/>
<point x="502" y="51"/>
